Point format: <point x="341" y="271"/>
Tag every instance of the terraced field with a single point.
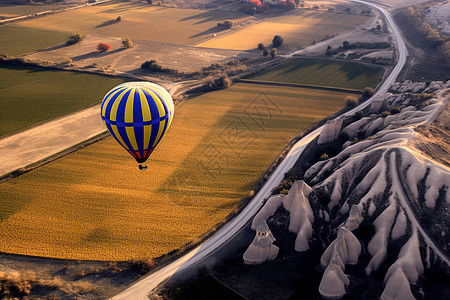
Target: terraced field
<point x="30" y="96"/>
<point x="95" y="203"/>
<point x="323" y="72"/>
<point x="139" y="21"/>
<point x="299" y="28"/>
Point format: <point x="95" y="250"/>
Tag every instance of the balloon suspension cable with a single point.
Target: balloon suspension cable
<point x="142" y="168"/>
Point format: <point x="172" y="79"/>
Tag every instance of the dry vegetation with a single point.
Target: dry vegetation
<point x="140" y="21"/>
<point x="298" y="28"/>
<point x="96" y="204"/>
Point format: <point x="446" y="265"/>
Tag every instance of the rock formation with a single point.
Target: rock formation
<point x="262" y="248"/>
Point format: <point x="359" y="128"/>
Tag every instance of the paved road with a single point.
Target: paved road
<point x="142" y="288"/>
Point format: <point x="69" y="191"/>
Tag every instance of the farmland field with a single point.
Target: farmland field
<point x="323" y="72"/>
<point x="30" y="96"/>
<point x="299" y="28"/>
<point x="19" y="40"/>
<point x="139" y="21"/>
<point x="10" y="11"/>
<point x="95" y="203"/>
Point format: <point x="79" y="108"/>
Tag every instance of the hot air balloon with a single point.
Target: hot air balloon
<point x="137" y="114"/>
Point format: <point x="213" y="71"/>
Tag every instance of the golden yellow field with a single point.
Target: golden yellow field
<point x="95" y="204"/>
<point x="139" y="21"/>
<point x="298" y="28"/>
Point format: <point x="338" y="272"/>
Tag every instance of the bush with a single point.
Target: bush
<point x="142" y="266"/>
<point x="350" y="101"/>
<point x="118" y="19"/>
<point x="277" y="41"/>
<point x="75" y="38"/>
<point x="227" y="24"/>
<point x="273" y="52"/>
<point x="367" y="92"/>
<point x="152" y="65"/>
<point x="265" y="52"/>
<point x="384" y="114"/>
<point x="127" y="43"/>
<point x="395" y="110"/>
<point x="68" y="62"/>
<point x="223" y="82"/>
<point x="103" y="47"/>
<point x="260" y="46"/>
<point x="359" y="114"/>
<point x="324" y="157"/>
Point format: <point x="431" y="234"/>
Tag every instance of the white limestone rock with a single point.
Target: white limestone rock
<point x="330" y="131"/>
<point x="262" y="248"/>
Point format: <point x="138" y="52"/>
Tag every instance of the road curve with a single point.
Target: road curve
<point x="142" y="288"/>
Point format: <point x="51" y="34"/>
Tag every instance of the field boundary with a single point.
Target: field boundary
<point x="308" y="86"/>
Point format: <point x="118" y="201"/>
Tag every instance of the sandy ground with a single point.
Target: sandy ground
<point x="120" y="60"/>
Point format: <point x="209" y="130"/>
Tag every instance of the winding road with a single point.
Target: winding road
<point x="142" y="288"/>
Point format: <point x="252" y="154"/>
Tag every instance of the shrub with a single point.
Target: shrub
<point x="152" y="65"/>
<point x="395" y="110"/>
<point x="329" y="50"/>
<point x="350" y="101"/>
<point x="68" y="62"/>
<point x="273" y="52"/>
<point x="103" y="47"/>
<point x="223" y="82"/>
<point x="127" y="43"/>
<point x="265" y="52"/>
<point x="367" y="92"/>
<point x="227" y="24"/>
<point x="384" y="114"/>
<point x="324" y="157"/>
<point x="75" y="38"/>
<point x="316" y="6"/>
<point x="142" y="266"/>
<point x="359" y="114"/>
<point x="260" y="46"/>
<point x="277" y="41"/>
<point x="118" y="19"/>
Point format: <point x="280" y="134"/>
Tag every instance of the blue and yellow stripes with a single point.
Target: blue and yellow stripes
<point x="137" y="114"/>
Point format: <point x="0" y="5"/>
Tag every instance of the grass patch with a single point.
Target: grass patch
<point x="298" y="28"/>
<point x="20" y="40"/>
<point x="96" y="204"/>
<point x="140" y="21"/>
<point x="323" y="72"/>
<point x="30" y="96"/>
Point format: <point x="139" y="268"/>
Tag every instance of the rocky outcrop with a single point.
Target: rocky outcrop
<point x="262" y="248"/>
<point x="330" y="131"/>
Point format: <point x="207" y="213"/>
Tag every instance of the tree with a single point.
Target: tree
<point x="150" y="1"/>
<point x="127" y="43"/>
<point x="227" y="24"/>
<point x="273" y="52"/>
<point x="152" y="65"/>
<point x="346" y="44"/>
<point x="378" y="27"/>
<point x="75" y="38"/>
<point x="350" y="101"/>
<point x="260" y="46"/>
<point x="265" y="52"/>
<point x="118" y="19"/>
<point x="277" y="41"/>
<point x="103" y="47"/>
<point x="367" y="92"/>
<point x="329" y="52"/>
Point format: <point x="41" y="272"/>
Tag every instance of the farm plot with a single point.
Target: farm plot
<point x="139" y="21"/>
<point x="323" y="72"/>
<point x="10" y="11"/>
<point x="298" y="29"/>
<point x="95" y="203"/>
<point x="30" y="96"/>
<point x="20" y="40"/>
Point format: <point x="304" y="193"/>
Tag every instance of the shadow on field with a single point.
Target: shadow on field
<point x="125" y="7"/>
<point x="206" y="16"/>
<point x="106" y="23"/>
<point x="208" y="32"/>
<point x="96" y="54"/>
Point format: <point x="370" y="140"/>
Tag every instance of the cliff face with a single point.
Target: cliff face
<point x="392" y="175"/>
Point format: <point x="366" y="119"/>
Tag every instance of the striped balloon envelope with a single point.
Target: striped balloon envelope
<point x="137" y="114"/>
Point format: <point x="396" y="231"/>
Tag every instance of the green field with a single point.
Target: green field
<point x="323" y="72"/>
<point x="299" y="28"/>
<point x="96" y="204"/>
<point x="30" y="96"/>
<point x="20" y="40"/>
<point x="139" y="21"/>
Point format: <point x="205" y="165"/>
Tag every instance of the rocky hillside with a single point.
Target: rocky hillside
<point x="384" y="196"/>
